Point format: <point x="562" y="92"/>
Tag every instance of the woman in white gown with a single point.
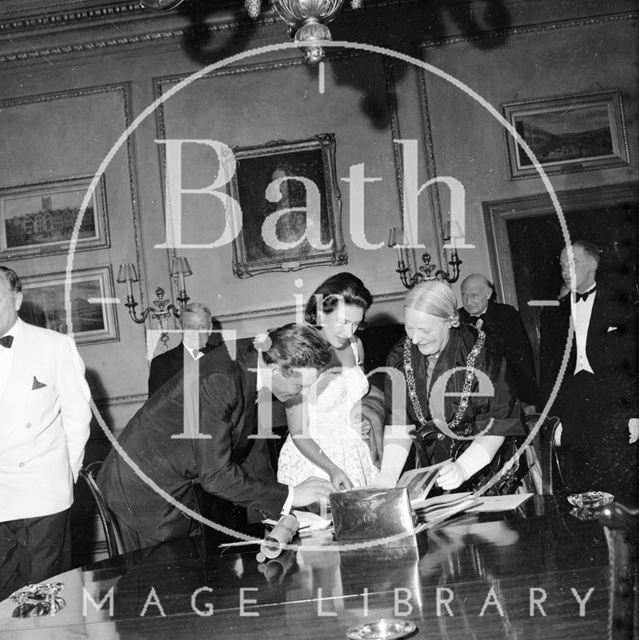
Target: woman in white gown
<point x="326" y="438"/>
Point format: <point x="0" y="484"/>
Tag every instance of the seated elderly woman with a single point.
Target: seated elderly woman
<point x="454" y="398"/>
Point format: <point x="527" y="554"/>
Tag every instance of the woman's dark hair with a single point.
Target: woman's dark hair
<point x="343" y="287"/>
<point x="297" y="346"/>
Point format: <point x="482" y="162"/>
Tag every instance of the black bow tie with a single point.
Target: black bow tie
<point x="7" y="341"/>
<point x="584" y="296"/>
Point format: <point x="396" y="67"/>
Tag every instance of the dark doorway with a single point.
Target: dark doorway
<point x="525" y="240"/>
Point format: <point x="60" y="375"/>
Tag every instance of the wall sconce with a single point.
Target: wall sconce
<point x="162" y="308"/>
<point x="425" y="272"/>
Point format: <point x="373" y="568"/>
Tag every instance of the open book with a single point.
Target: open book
<point x="419" y="483"/>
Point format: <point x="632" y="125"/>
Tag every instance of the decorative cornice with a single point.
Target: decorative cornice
<point x="84" y="47"/>
<point x="63" y="18"/>
<point x="152" y="36"/>
<point x="131" y="12"/>
<point x="70" y="16"/>
<point x="532" y="28"/>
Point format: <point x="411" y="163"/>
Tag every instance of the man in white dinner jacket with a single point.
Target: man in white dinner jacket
<point x="44" y="426"/>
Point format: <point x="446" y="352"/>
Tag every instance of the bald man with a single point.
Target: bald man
<point x="196" y="323"/>
<point x="505" y="335"/>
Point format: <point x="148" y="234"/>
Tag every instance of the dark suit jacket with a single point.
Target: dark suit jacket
<point x="226" y="463"/>
<point x="594" y="409"/>
<point x="165" y="365"/>
<point x="507" y="337"/>
<point x="610" y="346"/>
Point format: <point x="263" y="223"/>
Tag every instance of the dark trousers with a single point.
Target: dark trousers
<point x="132" y="540"/>
<point x="595" y="453"/>
<point x="33" y="550"/>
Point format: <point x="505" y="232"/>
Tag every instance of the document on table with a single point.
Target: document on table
<point x="499" y="503"/>
<point x="311" y="521"/>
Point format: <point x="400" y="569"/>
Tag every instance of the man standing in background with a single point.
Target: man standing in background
<point x="196" y="323"/>
<point x="598" y="397"/>
<point x="44" y="426"/>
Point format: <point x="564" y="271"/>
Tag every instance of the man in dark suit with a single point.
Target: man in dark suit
<point x="505" y="336"/>
<point x="598" y="396"/>
<point x="196" y="323"/>
<point x="198" y="428"/>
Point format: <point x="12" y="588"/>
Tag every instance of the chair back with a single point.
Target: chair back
<point x="107" y="519"/>
<point x="549" y="460"/>
<point x="621" y="526"/>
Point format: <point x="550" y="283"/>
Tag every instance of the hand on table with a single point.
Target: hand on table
<point x="313" y="489"/>
<point x="633" y="430"/>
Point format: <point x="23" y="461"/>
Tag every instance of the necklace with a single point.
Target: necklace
<point x="468" y="381"/>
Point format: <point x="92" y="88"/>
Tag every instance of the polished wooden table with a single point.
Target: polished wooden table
<point x="535" y="572"/>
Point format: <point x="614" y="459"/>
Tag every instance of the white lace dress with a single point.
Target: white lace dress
<point x="331" y="428"/>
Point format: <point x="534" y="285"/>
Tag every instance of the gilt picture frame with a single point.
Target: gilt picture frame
<point x="38" y="219"/>
<point x="93" y="317"/>
<point x="567" y="134"/>
<point x="290" y="206"/>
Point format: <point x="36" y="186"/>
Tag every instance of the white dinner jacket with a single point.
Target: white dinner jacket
<point x="44" y="424"/>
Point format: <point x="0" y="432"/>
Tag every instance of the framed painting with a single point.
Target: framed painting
<point x="568" y="133"/>
<point x="38" y="219"/>
<point x="92" y="309"/>
<point x="291" y="206"/>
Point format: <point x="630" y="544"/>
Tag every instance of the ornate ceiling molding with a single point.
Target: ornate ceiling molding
<point x="530" y="28"/>
<point x="70" y="28"/>
<point x="70" y="17"/>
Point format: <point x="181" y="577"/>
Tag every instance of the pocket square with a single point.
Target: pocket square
<point x="612" y="328"/>
<point x="37" y="384"/>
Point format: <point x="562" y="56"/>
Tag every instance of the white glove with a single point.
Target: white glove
<point x="468" y="464"/>
<point x="397" y="444"/>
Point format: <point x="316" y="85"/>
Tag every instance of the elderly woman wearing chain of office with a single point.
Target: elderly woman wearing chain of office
<point x="457" y="404"/>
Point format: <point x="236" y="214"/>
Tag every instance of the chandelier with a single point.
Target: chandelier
<point x="306" y="19"/>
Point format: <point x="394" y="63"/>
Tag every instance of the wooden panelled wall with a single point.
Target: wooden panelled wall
<point x="76" y="75"/>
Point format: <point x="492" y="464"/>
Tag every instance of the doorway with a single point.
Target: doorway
<point x="525" y="240"/>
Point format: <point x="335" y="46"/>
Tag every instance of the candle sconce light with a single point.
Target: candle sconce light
<point x="162" y="309"/>
<point x="425" y="270"/>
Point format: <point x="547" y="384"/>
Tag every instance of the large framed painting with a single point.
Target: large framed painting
<point x="39" y="219"/>
<point x="567" y="133"/>
<point x="291" y="206"/>
<point x="92" y="305"/>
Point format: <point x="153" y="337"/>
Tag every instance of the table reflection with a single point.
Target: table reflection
<point x="527" y="575"/>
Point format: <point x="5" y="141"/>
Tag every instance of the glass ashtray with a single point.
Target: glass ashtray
<point x="38" y="600"/>
<point x="383" y="629"/>
<point x="590" y="499"/>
